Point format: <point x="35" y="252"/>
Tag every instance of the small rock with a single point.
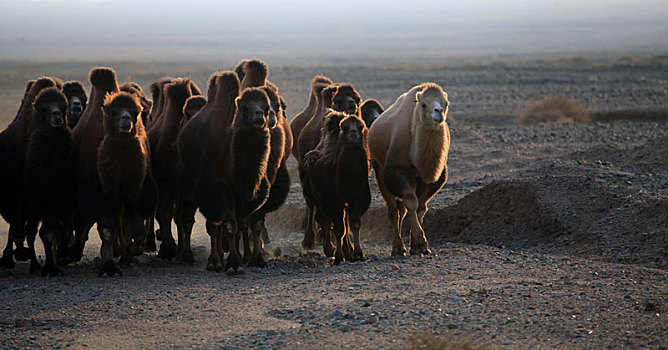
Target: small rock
<point x="345" y="328"/>
<point x="371" y="320"/>
<point x="395" y="267"/>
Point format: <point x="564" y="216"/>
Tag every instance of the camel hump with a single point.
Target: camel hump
<point x="227" y="83"/>
<point x="179" y="90"/>
<point x="252" y="73"/>
<point x="319" y="80"/>
<point x="194" y="103"/>
<point x="102" y="76"/>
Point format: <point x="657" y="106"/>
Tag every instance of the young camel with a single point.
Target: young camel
<point x="409" y="146"/>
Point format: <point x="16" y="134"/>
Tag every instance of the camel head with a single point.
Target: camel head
<point x="122" y="113"/>
<point x="49" y="108"/>
<point x="253" y="109"/>
<point x="432" y="105"/>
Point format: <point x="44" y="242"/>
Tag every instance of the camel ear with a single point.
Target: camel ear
<point x="417" y="96"/>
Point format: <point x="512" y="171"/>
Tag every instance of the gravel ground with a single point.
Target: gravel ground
<point x="545" y="236"/>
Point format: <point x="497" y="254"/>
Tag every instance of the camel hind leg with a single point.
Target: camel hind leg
<point x="425" y="192"/>
<point x="355" y="210"/>
<point x="395" y="211"/>
<point x="164" y="216"/>
<point x="108" y="228"/>
<point x="215" y="258"/>
<point x="401" y="183"/>
<point x="185" y="220"/>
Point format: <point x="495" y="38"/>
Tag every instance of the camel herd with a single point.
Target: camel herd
<point x="115" y="159"/>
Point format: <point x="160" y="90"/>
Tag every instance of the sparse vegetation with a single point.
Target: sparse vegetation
<point x="554" y="109"/>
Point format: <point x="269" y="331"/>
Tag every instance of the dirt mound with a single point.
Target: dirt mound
<point x="501" y="213"/>
<point x="554" y="109"/>
<point x="573" y="215"/>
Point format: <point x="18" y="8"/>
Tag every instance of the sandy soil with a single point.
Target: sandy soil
<point x="545" y="236"/>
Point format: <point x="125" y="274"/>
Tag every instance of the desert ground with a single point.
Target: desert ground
<point x="544" y="236"/>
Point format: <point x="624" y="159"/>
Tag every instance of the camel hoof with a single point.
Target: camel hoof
<point x="51" y="270"/>
<point x="338" y="260"/>
<point x="167" y="251"/>
<point x="22" y="254"/>
<point x="64" y="260"/>
<point x="126" y="263"/>
<point x="109" y="269"/>
<point x="234" y="270"/>
<point x="7" y="262"/>
<point x="329" y="250"/>
<point x="211" y="267"/>
<point x="257" y="261"/>
<point x="135" y="249"/>
<point x="400" y="252"/>
<point x="359" y="256"/>
<point x="420" y="251"/>
<point x="76" y="253"/>
<point x="308" y="244"/>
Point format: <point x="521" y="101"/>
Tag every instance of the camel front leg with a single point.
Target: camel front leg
<point x="419" y="243"/>
<point x="215" y="258"/>
<point x="230" y="234"/>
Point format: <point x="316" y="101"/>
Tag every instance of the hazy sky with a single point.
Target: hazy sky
<point x="63" y="27"/>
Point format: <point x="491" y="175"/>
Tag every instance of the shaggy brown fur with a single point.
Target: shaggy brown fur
<point x="48" y="178"/>
<point x="310" y="134"/>
<point x="166" y="166"/>
<point x="158" y="102"/>
<point x="409" y="144"/>
<point x="13" y="147"/>
<point x="554" y="109"/>
<point x="318" y="83"/>
<point x="277" y="173"/>
<point x="339" y="180"/>
<point x="232" y="181"/>
<point x="199" y="142"/>
<point x="123" y="167"/>
<point x="252" y="73"/>
<point x="309" y="139"/>
<point x="59" y="83"/>
<point x="76" y="101"/>
<point x="86" y="139"/>
<point x="370" y="110"/>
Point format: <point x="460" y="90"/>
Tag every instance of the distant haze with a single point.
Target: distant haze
<point x="339" y="29"/>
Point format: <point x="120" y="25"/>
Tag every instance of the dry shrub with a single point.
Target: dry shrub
<point x="425" y="341"/>
<point x="554" y="109"/>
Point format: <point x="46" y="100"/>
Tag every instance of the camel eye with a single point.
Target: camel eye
<point x="424" y="105"/>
